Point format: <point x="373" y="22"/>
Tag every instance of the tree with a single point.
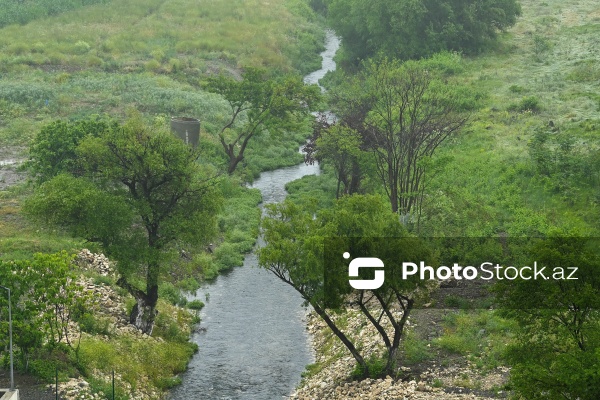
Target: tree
<point x="53" y="150"/>
<point x="340" y="146"/>
<point x="45" y="299"/>
<point x="260" y="103"/>
<point x="142" y="192"/>
<point x="305" y="252"/>
<point x="412" y="29"/>
<point x="406" y="112"/>
<point x="556" y="353"/>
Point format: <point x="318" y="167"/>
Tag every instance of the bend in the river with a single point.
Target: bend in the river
<point x="253" y="344"/>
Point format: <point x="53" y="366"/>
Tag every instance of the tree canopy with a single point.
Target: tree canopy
<point x="141" y="191"/>
<point x="305" y="251"/>
<point x="557" y="351"/>
<point x="259" y="103"/>
<point x="418" y="28"/>
<point x="403" y="111"/>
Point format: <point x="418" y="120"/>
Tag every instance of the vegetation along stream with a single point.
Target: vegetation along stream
<point x="253" y="342"/>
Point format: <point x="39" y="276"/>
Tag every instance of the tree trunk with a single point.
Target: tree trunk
<point x="355" y="178"/>
<point x="349" y="345"/>
<point x="144" y="311"/>
<point x="233" y="162"/>
<point x="143" y="315"/>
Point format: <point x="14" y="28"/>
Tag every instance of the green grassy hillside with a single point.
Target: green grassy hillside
<point x="148" y="54"/>
<point x="543" y="77"/>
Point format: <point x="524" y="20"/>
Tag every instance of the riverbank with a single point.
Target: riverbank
<point x="330" y="376"/>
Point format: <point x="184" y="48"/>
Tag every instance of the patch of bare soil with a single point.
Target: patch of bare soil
<point x="10" y="159"/>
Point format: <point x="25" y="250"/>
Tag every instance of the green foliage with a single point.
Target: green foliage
<point x="540" y="45"/>
<point x="94" y="325"/>
<point x="141" y="189"/>
<point x="169" y="329"/>
<point x="304" y="247"/>
<point x="391" y="104"/>
<point x="313" y="188"/>
<point x="47" y="361"/>
<point x="45" y="299"/>
<point x="376" y="368"/>
<point x="558" y="347"/>
<point x="566" y="165"/>
<point x="268" y="104"/>
<point x="26" y="94"/>
<point x="228" y="256"/>
<point x="158" y="361"/>
<point x="414" y="349"/>
<point x="53" y="149"/>
<point x="415" y="29"/>
<point x="22" y="12"/>
<point x="585" y="71"/>
<point x="195" y="305"/>
<point x="171" y="294"/>
<point x="531" y="104"/>
<point x="480" y="334"/>
<point x="341" y="146"/>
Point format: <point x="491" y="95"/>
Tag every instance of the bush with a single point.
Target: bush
<point x="94" y="325"/>
<point x="382" y="26"/>
<point x="168" y="328"/>
<point x="227" y="256"/>
<point x="531" y="104"/>
<point x="195" y="305"/>
<point x="376" y="367"/>
<point x="170" y="293"/>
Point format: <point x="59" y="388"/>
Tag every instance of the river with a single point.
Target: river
<point x="255" y="345"/>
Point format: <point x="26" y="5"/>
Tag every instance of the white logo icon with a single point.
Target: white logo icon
<point x="365" y="262"/>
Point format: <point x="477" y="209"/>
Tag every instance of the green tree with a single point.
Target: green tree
<point x="411" y="29"/>
<point x="557" y="351"/>
<point x="341" y="147"/>
<point x="403" y="112"/>
<point x="45" y="300"/>
<point x="306" y="252"/>
<point x="260" y="103"/>
<point x="53" y="149"/>
<point x="142" y="192"/>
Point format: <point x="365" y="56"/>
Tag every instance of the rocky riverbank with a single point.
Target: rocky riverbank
<point x="109" y="306"/>
<point x="329" y="377"/>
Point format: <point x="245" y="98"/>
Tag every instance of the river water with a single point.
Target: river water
<point x="255" y="345"/>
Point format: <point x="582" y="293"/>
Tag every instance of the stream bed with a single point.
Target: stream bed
<point x="253" y="342"/>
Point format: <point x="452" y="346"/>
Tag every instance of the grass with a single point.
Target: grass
<point x="489" y="183"/>
<point x="147" y="54"/>
<point x="19" y="239"/>
<point x="481" y="336"/>
<point x="151" y="55"/>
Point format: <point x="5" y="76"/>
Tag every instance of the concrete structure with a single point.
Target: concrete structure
<point x="9" y="395"/>
<point x="188" y="129"/>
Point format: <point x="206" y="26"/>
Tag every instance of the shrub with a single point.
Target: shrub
<point x="227" y="256"/>
<point x="531" y="104"/>
<point x="81" y="47"/>
<point x="195" y="305"/>
<point x="376" y="365"/>
<point x="170" y="293"/>
<point x="94" y="325"/>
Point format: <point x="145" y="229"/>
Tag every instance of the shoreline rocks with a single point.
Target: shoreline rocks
<point x="331" y="378"/>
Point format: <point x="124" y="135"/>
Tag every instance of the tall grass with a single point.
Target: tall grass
<point x="147" y="54"/>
